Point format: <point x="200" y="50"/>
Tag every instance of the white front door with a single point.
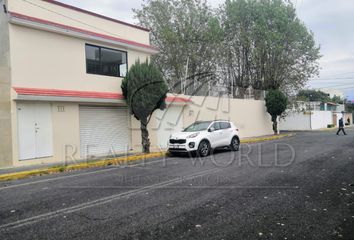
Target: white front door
<point x="35" y="133"/>
<point x="168" y="121"/>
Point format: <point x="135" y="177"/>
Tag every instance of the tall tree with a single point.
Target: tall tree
<point x="349" y="106"/>
<point x="270" y="48"/>
<point x="145" y="91"/>
<point x="276" y="103"/>
<point x="237" y="20"/>
<point x="313" y="95"/>
<point x="188" y="35"/>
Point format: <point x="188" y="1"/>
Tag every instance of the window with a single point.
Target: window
<point x="225" y="125"/>
<point x="105" y="61"/>
<point x="197" y="127"/>
<point x="216" y="126"/>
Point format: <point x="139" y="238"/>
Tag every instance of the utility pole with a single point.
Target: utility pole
<point x="310" y="111"/>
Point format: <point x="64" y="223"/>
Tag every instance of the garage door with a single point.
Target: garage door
<point x="104" y="131"/>
<point x="169" y="121"/>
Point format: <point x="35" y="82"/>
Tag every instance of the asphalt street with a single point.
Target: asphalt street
<point x="293" y="188"/>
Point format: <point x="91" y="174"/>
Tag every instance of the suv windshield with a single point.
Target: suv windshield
<point x="197" y="127"/>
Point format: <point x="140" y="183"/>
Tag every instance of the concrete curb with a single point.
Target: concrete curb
<point x="108" y="162"/>
<point x="326" y="129"/>
<point x="58" y="169"/>
<point x="268" y="138"/>
<point x="335" y="128"/>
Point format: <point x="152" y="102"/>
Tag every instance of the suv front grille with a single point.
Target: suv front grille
<point x="178" y="141"/>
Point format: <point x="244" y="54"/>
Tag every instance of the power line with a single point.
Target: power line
<point x="336" y="86"/>
<point x="339" y="74"/>
<point x="331" y="83"/>
<point x="325" y="79"/>
<point x="340" y="84"/>
<point x="344" y="89"/>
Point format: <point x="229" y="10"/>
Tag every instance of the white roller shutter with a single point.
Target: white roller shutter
<point x="103" y="130"/>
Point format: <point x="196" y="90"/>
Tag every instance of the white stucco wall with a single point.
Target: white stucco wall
<point x="5" y="98"/>
<point x="295" y="121"/>
<point x="63" y="15"/>
<point x="299" y="121"/>
<point x="320" y="119"/>
<point x="250" y="116"/>
<point x="53" y="61"/>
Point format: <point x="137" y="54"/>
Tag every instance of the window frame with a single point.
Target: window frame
<point x="100" y="60"/>
<point x="228" y="125"/>
<point x="214" y="124"/>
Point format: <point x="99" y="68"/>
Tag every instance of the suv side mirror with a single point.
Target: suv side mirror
<point x="212" y="129"/>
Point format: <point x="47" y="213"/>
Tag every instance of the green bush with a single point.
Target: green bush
<point x="330" y="126"/>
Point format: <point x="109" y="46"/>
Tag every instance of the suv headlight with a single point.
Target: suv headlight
<point x="193" y="135"/>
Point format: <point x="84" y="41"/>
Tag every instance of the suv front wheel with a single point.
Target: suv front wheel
<point x="203" y="148"/>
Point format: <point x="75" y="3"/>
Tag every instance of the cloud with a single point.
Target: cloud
<point x="331" y="21"/>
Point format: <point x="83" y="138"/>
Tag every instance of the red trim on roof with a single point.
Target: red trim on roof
<point x="79" y="30"/>
<point x="82" y="94"/>
<point x="332" y="103"/>
<point x="178" y="99"/>
<point x="95" y="14"/>
<point x="67" y="93"/>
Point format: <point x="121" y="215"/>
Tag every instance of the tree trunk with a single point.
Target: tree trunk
<point x="275" y="124"/>
<point x="258" y="94"/>
<point x="241" y="92"/>
<point x="145" y="141"/>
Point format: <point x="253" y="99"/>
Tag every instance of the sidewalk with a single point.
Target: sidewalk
<point x="19" y="172"/>
<point x="14" y="173"/>
<point x="56" y="164"/>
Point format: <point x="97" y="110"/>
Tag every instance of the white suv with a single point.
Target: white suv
<point x="201" y="137"/>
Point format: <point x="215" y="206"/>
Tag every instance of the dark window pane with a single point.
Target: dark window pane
<point x="216" y="126"/>
<point x="92" y="59"/>
<point x="110" y="60"/>
<point x="106" y="61"/>
<point x="225" y="125"/>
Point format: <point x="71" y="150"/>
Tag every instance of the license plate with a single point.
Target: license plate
<point x="175" y="146"/>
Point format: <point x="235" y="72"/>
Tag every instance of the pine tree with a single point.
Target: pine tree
<point x="145" y="91"/>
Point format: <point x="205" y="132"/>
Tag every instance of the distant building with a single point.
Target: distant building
<point x="313" y="115"/>
<point x="333" y="92"/>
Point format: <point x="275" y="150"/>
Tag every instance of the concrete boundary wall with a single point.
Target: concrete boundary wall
<point x="296" y="121"/>
<point x="307" y="120"/>
<point x="320" y="119"/>
<point x="250" y="116"/>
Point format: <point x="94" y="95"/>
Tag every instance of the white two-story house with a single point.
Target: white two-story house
<point x="61" y="69"/>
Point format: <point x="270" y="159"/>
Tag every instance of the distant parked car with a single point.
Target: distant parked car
<point x="203" y="136"/>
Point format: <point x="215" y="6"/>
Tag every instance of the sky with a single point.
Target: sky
<point x="331" y="21"/>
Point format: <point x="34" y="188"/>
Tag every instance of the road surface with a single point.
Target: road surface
<point x="294" y="188"/>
